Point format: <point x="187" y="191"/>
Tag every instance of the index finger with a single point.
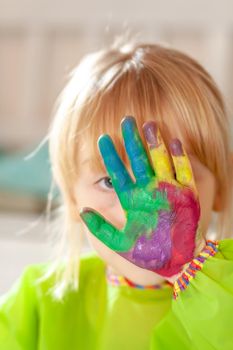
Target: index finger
<point x="116" y="169"/>
<point x="136" y="152"/>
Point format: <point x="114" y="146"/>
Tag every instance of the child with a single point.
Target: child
<point x="140" y="150"/>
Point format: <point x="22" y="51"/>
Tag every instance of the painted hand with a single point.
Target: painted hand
<point x="162" y="208"/>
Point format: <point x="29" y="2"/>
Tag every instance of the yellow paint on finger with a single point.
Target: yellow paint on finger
<point x="161" y="163"/>
<point x="184" y="171"/>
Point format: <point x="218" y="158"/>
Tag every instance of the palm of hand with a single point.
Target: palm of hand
<point x="162" y="212"/>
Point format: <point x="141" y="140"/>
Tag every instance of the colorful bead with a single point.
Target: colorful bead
<point x="210" y="249"/>
<point x="117" y="280"/>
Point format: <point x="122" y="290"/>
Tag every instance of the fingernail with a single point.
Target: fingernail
<point x="150" y="130"/>
<point x="84" y="210"/>
<point x="176" y="148"/>
<point x="85" y="213"/>
<point x="128" y="119"/>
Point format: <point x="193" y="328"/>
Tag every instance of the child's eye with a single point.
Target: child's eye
<point x="105" y="182"/>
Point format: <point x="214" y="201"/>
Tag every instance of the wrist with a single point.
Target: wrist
<point x="200" y="243"/>
<point x="173" y="278"/>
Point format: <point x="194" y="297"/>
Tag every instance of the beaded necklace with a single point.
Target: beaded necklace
<point x="118" y="280"/>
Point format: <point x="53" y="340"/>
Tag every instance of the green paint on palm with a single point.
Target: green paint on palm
<point x="141" y="207"/>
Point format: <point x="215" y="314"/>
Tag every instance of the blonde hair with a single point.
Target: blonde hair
<point x="147" y="81"/>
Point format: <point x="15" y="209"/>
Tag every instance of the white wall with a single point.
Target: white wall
<point x="41" y="41"/>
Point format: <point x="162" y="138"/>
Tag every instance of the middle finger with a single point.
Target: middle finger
<point x="138" y="157"/>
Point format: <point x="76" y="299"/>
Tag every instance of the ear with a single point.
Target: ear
<point x="218" y="203"/>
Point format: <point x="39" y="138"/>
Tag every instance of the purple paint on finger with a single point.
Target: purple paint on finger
<point x="153" y="253"/>
<point x="176" y="148"/>
<point x="150" y="130"/>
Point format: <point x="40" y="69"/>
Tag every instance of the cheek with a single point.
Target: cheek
<point x="89" y="196"/>
<point x="112" y="211"/>
<point x="100" y="201"/>
<point x="106" y="204"/>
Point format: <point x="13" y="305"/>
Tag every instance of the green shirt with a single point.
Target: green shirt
<point x="100" y="316"/>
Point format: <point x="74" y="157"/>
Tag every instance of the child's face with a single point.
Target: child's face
<point x="94" y="190"/>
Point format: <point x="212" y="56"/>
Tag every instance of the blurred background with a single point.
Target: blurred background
<point x="40" y="42"/>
